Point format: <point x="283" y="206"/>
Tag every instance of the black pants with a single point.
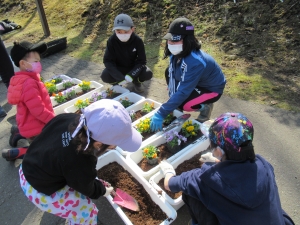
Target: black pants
<point x="199" y="213"/>
<point x="198" y="96"/>
<point x="145" y="74"/>
<point x="6" y="68"/>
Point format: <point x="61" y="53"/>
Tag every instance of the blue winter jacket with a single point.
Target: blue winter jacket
<point x="198" y="69"/>
<point x="238" y="193"/>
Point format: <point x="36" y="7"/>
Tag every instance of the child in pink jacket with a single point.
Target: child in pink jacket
<point x="27" y="91"/>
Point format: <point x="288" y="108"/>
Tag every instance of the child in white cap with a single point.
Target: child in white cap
<point x="58" y="173"/>
<point x="125" y="57"/>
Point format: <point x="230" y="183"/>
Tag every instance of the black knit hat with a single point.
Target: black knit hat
<point x="179" y="28"/>
<point x="20" y="49"/>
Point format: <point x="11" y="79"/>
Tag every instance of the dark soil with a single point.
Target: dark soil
<point x="164" y="153"/>
<point x="114" y="95"/>
<point x="118" y="177"/>
<point x="138" y="114"/>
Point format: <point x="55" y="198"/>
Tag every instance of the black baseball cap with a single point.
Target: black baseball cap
<point x="20" y="49"/>
<point x="179" y="28"/>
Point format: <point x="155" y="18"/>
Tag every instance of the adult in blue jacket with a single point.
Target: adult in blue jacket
<point x="241" y="189"/>
<point x="194" y="78"/>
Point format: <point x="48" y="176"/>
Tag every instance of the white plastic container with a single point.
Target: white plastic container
<point x="139" y="105"/>
<point x="134" y="158"/>
<point x="60" y="86"/>
<point x="62" y="76"/>
<point x="199" y="146"/>
<point x="176" y="113"/>
<point x="114" y="156"/>
<point x="60" y="109"/>
<point x="118" y="89"/>
<point x="133" y="97"/>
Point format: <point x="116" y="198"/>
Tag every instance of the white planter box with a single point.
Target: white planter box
<point x="74" y="80"/>
<point x="62" y="76"/>
<point x="114" y="156"/>
<point x="118" y="89"/>
<point x="199" y="146"/>
<point x="138" y="106"/>
<point x="135" y="157"/>
<point x="133" y="97"/>
<point x="60" y="86"/>
<point x="176" y="113"/>
<point x="60" y="109"/>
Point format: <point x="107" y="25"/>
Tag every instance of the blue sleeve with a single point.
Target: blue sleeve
<point x="189" y="81"/>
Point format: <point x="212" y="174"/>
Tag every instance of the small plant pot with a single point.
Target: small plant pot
<point x="152" y="161"/>
<point x="173" y="149"/>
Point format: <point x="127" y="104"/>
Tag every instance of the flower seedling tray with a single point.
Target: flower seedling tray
<point x="60" y="108"/>
<point x="112" y="157"/>
<point x="200" y="145"/>
<point x="118" y="89"/>
<point x="139" y="105"/>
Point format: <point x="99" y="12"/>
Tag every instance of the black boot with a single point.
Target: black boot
<point x="205" y="112"/>
<point x="15" y="136"/>
<point x="2" y="112"/>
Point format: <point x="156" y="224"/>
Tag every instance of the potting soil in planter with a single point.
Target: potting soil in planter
<point x="187" y="165"/>
<point x="150" y="213"/>
<point x="164" y="153"/>
<point x="138" y="114"/>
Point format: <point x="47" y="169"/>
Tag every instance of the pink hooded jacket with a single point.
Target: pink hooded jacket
<point x="34" y="108"/>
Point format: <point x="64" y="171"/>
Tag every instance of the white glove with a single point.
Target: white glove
<point x="207" y="157"/>
<point x="108" y="191"/>
<point x="122" y="83"/>
<point x="166" y="167"/>
<point x="128" y="78"/>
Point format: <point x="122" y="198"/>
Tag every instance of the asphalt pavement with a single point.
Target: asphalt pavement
<point x="276" y="137"/>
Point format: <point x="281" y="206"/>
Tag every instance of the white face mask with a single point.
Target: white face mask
<point x="175" y="49"/>
<point x="123" y="37"/>
<point x="219" y="157"/>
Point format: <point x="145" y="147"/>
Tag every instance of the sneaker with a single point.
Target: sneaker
<point x="205" y="112"/>
<point x="2" y="112"/>
<point x="138" y="87"/>
<point x="14" y="153"/>
<point x="15" y="136"/>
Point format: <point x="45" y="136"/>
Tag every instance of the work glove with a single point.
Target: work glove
<point x="166" y="167"/>
<point x="108" y="191"/>
<point x="207" y="157"/>
<point x="122" y="83"/>
<point x="156" y="122"/>
<point x="128" y="78"/>
<point x="107" y="186"/>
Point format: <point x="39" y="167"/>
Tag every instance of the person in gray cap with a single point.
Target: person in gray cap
<point x="125" y="57"/>
<point x="194" y="78"/>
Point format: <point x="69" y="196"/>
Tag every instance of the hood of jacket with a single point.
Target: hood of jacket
<point x="15" y="88"/>
<point x="244" y="183"/>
